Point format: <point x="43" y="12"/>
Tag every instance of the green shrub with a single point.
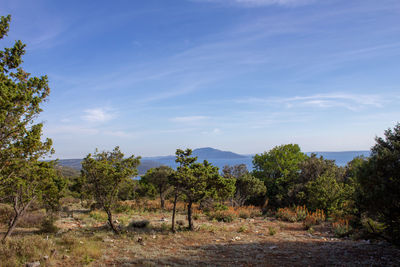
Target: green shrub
<point x="48" y="225"/>
<point x="139" y="224"/>
<point x="242" y="229"/>
<point x="222" y="216"/>
<point x="341" y="228"/>
<point x="271" y="230"/>
<point x="98" y="215"/>
<point x="373" y="227"/>
<point x="122" y="208"/>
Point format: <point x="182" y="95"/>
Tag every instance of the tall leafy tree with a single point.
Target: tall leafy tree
<point x="246" y="185"/>
<point x="104" y="173"/>
<point x="198" y="181"/>
<point x="21" y="144"/>
<point x="379" y="180"/>
<point x="159" y="178"/>
<point x="279" y="168"/>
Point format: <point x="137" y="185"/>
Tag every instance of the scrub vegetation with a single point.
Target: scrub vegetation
<point x="291" y="209"/>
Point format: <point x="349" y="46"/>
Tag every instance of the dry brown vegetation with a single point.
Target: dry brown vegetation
<point x="249" y="240"/>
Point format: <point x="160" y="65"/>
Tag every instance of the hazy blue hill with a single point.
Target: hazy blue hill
<point x="212" y="153"/>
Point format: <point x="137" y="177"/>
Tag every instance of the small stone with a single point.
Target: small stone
<point x="45" y="257"/>
<point x="64" y="257"/>
<point x="272" y="247"/>
<point x="164" y="219"/>
<point x="32" y="264"/>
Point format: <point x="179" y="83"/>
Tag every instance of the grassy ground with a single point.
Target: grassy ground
<point x="84" y="239"/>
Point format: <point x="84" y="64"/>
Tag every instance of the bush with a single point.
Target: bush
<point x="98" y="215"/>
<point x="286" y="214"/>
<point x="373" y="227"/>
<point x="139" y="224"/>
<point x="222" y="216"/>
<point x="314" y="218"/>
<point x="48" y="225"/>
<point x="242" y="229"/>
<point x="301" y="213"/>
<point x="271" y="230"/>
<point x="341" y="228"/>
<point x="122" y="208"/>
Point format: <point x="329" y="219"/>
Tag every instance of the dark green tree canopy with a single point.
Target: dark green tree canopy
<point x="22" y="178"/>
<point x="379" y="180"/>
<point x="279" y="168"/>
<point x="198" y="181"/>
<point x="104" y="173"/>
<point x="159" y="178"/>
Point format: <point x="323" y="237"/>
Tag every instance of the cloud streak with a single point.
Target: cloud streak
<point x="349" y="101"/>
<point x="97" y="115"/>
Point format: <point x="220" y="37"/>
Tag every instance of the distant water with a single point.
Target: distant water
<point x="340" y="158"/>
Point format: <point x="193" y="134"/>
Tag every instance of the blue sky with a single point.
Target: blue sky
<point x="240" y="75"/>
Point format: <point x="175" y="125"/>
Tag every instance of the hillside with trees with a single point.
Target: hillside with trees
<point x="289" y="209"/>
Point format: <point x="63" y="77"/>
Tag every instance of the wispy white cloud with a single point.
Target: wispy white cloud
<point x="122" y="134"/>
<point x="215" y="131"/>
<point x="71" y="129"/>
<point x="189" y="119"/>
<point x="97" y="115"/>
<point x="348" y="101"/>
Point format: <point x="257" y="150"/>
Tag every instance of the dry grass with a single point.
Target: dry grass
<point x="245" y="241"/>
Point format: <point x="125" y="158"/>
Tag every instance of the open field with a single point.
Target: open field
<point x="85" y="239"/>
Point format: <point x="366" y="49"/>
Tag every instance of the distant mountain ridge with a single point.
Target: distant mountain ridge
<point x="220" y="158"/>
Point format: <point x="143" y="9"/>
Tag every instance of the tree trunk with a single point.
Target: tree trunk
<point x="162" y="200"/>
<point x="173" y="212"/>
<point x="17" y="216"/>
<point x="110" y="221"/>
<point x="189" y="207"/>
<point x="11" y="226"/>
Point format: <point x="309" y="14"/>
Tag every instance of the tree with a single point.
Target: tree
<point x="279" y="169"/>
<point x="103" y="175"/>
<point x="21" y="144"/>
<point x="38" y="181"/>
<point x="159" y="178"/>
<point x="198" y="181"/>
<point x="326" y="192"/>
<point x="379" y="180"/>
<point x="184" y="159"/>
<point x="247" y="186"/>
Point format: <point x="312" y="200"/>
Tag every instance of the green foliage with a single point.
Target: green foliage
<point x="279" y="169"/>
<point x="48" y="226"/>
<point x="22" y="177"/>
<point x="271" y="230"/>
<point x="247" y="186"/>
<point x="104" y="173"/>
<point x="159" y="179"/>
<point x="198" y="181"/>
<point x="326" y="193"/>
<point x="222" y="216"/>
<point x="379" y="180"/>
